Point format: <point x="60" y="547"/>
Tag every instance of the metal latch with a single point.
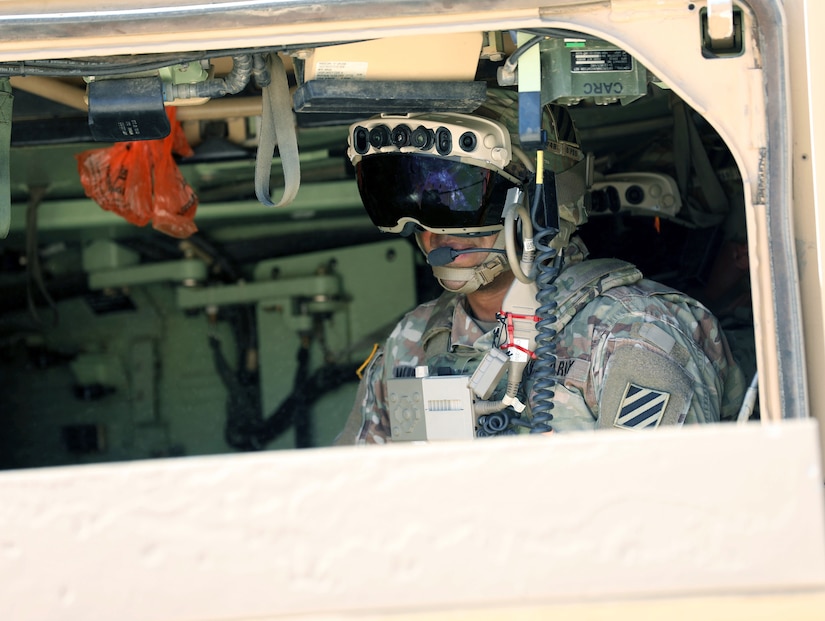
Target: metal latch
<point x="720" y="23"/>
<point x="721" y="29"/>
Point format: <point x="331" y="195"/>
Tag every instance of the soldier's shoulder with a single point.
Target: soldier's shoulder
<point x="422" y="312"/>
<point x="412" y="324"/>
<point x="649" y="295"/>
<point x="645" y="300"/>
<point x="642" y="289"/>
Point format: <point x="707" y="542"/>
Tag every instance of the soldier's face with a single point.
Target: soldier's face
<point x="430" y="241"/>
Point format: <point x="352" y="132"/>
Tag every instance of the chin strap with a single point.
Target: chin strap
<point x="474" y="277"/>
<point x="562" y="239"/>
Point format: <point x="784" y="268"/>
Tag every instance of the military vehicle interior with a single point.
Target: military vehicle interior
<point x="121" y="341"/>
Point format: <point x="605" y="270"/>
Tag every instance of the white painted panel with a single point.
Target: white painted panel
<point x="712" y="510"/>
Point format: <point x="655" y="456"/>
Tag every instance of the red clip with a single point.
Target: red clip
<point x="511" y="332"/>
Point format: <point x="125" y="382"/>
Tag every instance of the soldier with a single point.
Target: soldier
<point x="629" y="353"/>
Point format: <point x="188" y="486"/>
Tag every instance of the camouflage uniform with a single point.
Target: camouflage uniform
<point x="622" y="341"/>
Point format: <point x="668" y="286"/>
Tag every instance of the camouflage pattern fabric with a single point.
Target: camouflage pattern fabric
<point x="620" y="334"/>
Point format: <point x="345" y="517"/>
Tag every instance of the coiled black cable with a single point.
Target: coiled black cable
<point x="547" y="264"/>
<point x="494" y="424"/>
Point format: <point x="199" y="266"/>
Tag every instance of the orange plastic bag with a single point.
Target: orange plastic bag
<point x="141" y="182"/>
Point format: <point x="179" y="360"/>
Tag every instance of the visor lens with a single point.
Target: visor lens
<point x="433" y="191"/>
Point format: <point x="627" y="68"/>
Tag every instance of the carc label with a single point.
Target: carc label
<point x="600" y="60"/>
<point x="340" y="69"/>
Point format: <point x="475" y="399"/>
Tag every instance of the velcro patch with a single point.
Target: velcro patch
<point x="641" y="408"/>
<point x="636" y="374"/>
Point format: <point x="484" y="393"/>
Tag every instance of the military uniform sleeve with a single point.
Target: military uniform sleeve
<point x="645" y="384"/>
<point x="368" y="422"/>
<point x="663" y="363"/>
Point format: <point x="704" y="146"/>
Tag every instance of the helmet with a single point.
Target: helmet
<point x="450" y="173"/>
<point x="442" y="172"/>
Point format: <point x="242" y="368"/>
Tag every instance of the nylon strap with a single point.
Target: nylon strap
<point x="571" y="184"/>
<point x="6" y="99"/>
<point x="436" y="336"/>
<point x="277" y="127"/>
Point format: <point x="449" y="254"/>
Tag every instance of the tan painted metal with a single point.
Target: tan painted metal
<point x="807" y="48"/>
<point x="766" y="607"/>
<point x="75" y="97"/>
<point x="749" y="528"/>
<point x="577" y="521"/>
<point x="633" y="24"/>
<point x="53" y="89"/>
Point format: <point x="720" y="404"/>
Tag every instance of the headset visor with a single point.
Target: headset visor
<point x="436" y="193"/>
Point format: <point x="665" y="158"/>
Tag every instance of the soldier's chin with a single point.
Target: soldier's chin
<point x="452" y="285"/>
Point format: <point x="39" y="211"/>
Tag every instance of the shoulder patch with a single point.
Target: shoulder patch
<point x="643" y="389"/>
<point x="641" y="408"/>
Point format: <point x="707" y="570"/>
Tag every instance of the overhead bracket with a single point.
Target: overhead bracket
<point x="721" y="29"/>
<point x="529" y="93"/>
<point x="127" y="109"/>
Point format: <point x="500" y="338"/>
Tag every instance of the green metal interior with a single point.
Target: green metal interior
<point x="112" y="354"/>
